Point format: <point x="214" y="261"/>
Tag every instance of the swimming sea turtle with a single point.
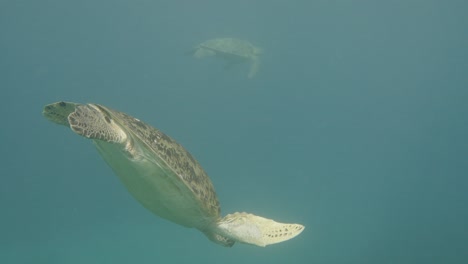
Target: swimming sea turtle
<point x="163" y="176"/>
<point x="231" y="49"/>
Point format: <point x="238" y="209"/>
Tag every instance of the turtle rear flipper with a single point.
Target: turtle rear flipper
<point x="256" y="230"/>
<point x="91" y="121"/>
<point x="254" y="67"/>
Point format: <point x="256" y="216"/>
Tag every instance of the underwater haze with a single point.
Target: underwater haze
<point x="355" y="126"/>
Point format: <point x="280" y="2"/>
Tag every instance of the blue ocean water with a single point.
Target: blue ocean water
<point x="355" y="126"/>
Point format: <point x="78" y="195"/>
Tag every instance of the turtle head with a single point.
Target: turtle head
<point x="58" y="112"/>
<point x="90" y="120"/>
<point x="94" y="121"/>
<point x="258" y="51"/>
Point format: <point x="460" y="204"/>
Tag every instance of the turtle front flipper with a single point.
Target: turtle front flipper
<point x="92" y="121"/>
<point x="256" y="230"/>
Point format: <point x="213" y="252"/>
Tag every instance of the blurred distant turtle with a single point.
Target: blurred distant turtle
<point x="163" y="176"/>
<point x="231" y="49"/>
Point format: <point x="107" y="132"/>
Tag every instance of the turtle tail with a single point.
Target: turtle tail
<point x="219" y="239"/>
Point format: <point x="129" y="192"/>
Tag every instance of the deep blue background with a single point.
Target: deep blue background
<point x="355" y="126"/>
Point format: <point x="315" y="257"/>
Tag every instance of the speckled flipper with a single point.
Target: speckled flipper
<point x="92" y="122"/>
<point x="256" y="230"/>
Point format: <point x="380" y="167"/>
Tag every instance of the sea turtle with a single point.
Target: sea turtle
<point x="163" y="176"/>
<point x="231" y="49"/>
